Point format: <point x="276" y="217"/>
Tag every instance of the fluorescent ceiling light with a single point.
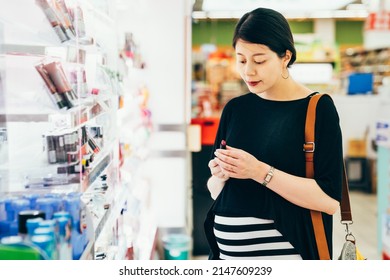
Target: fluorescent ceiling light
<point x="279" y="5"/>
<point x="292" y="9"/>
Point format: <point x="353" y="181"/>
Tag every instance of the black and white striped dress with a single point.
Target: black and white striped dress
<point x="251" y="239"/>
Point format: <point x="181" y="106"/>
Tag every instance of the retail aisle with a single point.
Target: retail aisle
<point x="364" y="228"/>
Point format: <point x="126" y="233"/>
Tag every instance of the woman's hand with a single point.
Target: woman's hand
<point x="216" y="170"/>
<point x="237" y="163"/>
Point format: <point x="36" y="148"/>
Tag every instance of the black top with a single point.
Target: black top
<point x="273" y="132"/>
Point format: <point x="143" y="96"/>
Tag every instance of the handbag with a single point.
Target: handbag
<point x="349" y="250"/>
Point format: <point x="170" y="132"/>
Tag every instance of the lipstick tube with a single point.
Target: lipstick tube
<point x="68" y="141"/>
<point x="92" y="144"/>
<point x="51" y="149"/>
<point x="60" y="148"/>
<point x="61" y="103"/>
<point x="223" y="145"/>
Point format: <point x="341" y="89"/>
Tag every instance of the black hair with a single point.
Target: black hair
<point x="267" y="27"/>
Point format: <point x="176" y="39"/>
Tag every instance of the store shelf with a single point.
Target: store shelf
<point x="375" y="61"/>
<point x="77" y="143"/>
<point x="46" y="129"/>
<point x="70" y="119"/>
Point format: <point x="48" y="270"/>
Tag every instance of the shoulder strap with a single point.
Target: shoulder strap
<point x="309" y="148"/>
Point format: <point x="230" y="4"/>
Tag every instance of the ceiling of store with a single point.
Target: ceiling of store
<point x="290" y="8"/>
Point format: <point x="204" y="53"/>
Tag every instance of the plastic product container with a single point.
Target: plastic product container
<point x="45" y="242"/>
<point x="45" y="204"/>
<point x="65" y="245"/>
<point x="176" y="246"/>
<point x="32" y="224"/>
<point x="78" y="237"/>
<point x="26" y="215"/>
<point x="14" y="248"/>
<point x="32" y="197"/>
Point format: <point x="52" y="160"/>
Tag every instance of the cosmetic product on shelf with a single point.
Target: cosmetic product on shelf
<point x="32" y="197"/>
<point x="45" y="204"/>
<point x="64" y="242"/>
<point x="25" y="216"/>
<point x="32" y="224"/>
<point x="46" y="244"/>
<point x="49" y="228"/>
<point x="57" y="75"/>
<point x="62" y="11"/>
<point x="45" y="182"/>
<point x="51" y="149"/>
<point x="17" y="206"/>
<point x="58" y="98"/>
<point x="78" y="232"/>
<point x="15" y="248"/>
<point x="77" y="17"/>
<point x="53" y="19"/>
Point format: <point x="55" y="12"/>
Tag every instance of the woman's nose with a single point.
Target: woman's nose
<point x="249" y="69"/>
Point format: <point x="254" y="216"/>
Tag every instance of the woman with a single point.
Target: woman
<point x="262" y="197"/>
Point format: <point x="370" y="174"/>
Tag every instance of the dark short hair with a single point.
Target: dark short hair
<point x="267" y="27"/>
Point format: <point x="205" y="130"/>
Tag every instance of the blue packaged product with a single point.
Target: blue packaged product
<point x="45" y="242"/>
<point x="32" y="224"/>
<point x="32" y="197"/>
<point x="50" y="232"/>
<point x="45" y="204"/>
<point x="65" y="245"/>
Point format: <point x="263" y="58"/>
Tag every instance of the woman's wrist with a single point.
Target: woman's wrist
<point x="220" y="180"/>
<point x="268" y="177"/>
<point x="265" y="173"/>
<point x="215" y="186"/>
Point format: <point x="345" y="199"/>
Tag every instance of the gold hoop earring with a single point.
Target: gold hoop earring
<point x="288" y="75"/>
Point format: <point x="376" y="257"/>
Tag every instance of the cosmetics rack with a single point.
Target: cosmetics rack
<point x="141" y="230"/>
<point x="49" y="141"/>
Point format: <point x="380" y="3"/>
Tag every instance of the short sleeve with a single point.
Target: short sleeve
<point x="328" y="154"/>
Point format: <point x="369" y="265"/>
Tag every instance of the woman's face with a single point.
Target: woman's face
<point x="259" y="66"/>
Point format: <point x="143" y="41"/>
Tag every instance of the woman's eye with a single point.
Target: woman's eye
<point x="259" y="62"/>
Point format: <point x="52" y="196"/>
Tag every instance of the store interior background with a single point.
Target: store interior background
<point x="177" y="71"/>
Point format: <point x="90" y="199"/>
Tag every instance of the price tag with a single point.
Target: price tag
<point x="60" y="120"/>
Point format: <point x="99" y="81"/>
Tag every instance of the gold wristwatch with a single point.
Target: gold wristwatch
<point x="269" y="176"/>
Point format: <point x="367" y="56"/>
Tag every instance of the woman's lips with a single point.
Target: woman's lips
<point x="253" y="84"/>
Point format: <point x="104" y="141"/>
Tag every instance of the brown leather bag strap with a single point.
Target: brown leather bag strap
<point x="309" y="148"/>
<point x="345" y="205"/>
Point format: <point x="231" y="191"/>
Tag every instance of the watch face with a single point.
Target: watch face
<point x="268" y="178"/>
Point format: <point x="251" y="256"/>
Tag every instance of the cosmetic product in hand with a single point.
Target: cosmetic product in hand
<point x="223" y="145"/>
